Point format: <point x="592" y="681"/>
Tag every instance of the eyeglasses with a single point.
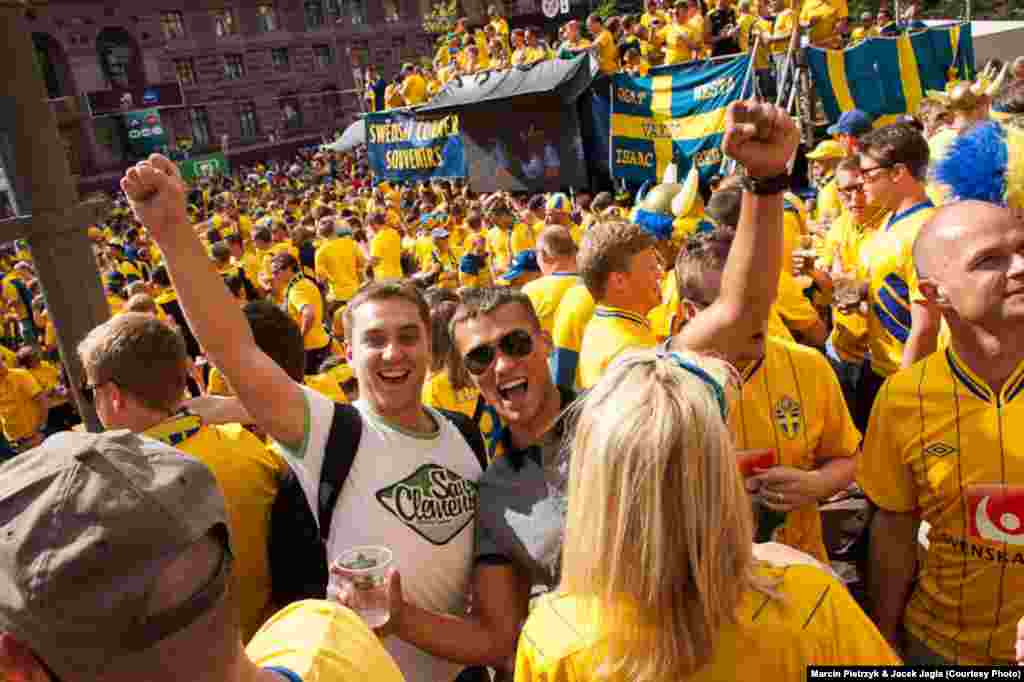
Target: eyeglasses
<point x="848" y="192"/>
<point x="869" y="174"/>
<point x="518" y="343"/>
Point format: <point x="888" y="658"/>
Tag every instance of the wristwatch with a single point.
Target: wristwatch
<point x="776" y="184"/>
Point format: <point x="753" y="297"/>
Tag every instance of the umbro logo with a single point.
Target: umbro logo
<point x="939" y="450"/>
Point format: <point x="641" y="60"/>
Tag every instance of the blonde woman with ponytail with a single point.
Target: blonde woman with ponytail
<point x="660" y="578"/>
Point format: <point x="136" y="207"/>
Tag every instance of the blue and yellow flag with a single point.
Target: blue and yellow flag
<point x="676" y="114"/>
<point x="888" y="77"/>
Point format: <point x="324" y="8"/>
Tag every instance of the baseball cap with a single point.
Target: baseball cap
<point x="90" y="521"/>
<point x="829" y="149"/>
<point x="524" y="262"/>
<point x="853" y="122"/>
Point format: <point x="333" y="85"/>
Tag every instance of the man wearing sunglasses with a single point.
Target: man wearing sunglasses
<point x="901" y="327"/>
<point x="504" y="347"/>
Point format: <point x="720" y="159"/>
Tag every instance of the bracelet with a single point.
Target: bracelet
<point x="766" y="186"/>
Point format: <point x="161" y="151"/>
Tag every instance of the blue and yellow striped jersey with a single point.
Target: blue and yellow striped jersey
<point x="889" y="259"/>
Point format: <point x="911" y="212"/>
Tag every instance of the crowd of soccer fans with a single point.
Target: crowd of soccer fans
<point x="595" y="450"/>
<point x="665" y="33"/>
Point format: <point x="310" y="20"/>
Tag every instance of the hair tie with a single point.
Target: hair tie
<point x="700" y="373"/>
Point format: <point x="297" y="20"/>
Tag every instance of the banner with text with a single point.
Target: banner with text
<point x="676" y="114"/>
<point x="403" y="147"/>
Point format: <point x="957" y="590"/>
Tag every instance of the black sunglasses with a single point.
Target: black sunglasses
<point x="88" y="391"/>
<point x="518" y="343"/>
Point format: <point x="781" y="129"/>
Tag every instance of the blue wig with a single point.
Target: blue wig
<point x="975" y="165"/>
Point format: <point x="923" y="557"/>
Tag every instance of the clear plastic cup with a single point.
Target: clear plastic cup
<point x="365" y="571"/>
<point x="847" y="290"/>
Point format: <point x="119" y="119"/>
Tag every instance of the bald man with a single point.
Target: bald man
<point x="1018" y="69"/>
<point x="942" y="446"/>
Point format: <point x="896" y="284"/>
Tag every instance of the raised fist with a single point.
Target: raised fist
<point x="760" y="136"/>
<point x="156" y="194"/>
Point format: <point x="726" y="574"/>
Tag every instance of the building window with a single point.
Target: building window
<point x="234" y="67"/>
<point x="199" y="122"/>
<point x="173" y="24"/>
<point x="354" y="11"/>
<point x="224" y="23"/>
<point x="279" y="58"/>
<point x="247" y="120"/>
<point x="314" y="10"/>
<point x="185" y="69"/>
<point x="291" y="115"/>
<point x="267" y="16"/>
<point x="323" y="57"/>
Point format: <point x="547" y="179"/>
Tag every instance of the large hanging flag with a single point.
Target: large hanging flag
<point x="888" y="77"/>
<point x="676" y="114"/>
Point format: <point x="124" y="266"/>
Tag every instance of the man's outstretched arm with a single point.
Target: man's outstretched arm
<point x="277" y="404"/>
<point x="763" y="138"/>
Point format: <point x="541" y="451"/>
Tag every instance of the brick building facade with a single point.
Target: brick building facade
<point x="264" y="76"/>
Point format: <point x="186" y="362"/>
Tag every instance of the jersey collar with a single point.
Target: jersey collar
<point x="176" y="430"/>
<point x="906" y="213"/>
<point x="1013" y="386"/>
<point x="607" y="311"/>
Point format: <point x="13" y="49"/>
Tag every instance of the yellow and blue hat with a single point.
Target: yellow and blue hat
<point x="558" y="202"/>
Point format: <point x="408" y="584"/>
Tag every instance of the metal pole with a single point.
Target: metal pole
<point x="56" y="228"/>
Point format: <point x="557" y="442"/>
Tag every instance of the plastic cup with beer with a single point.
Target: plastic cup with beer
<point x="362" y="573"/>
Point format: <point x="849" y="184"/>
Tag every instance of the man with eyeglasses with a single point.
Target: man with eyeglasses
<point x="893" y="164"/>
<point x="840" y="255"/>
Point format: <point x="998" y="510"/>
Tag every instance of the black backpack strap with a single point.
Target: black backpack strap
<point x="339" y="454"/>
<point x="471" y="432"/>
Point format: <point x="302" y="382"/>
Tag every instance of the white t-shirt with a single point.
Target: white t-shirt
<point x="416" y="495"/>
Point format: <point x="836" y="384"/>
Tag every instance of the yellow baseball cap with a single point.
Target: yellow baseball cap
<point x="829" y="149"/>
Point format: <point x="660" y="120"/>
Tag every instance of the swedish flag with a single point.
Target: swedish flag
<point x="888" y="77"/>
<point x="676" y="114"/>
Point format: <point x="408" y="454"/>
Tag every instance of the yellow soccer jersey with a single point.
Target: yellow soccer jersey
<point x="825" y="18"/>
<point x="439" y="393"/>
<point x="791" y="402"/>
<point x="547" y="292"/>
<point x="607" y="52"/>
<point x="339" y="264"/>
<point x="813" y="621"/>
<point x="522" y="238"/>
<point x="796" y="310"/>
<point x="828" y="206"/>
<point x="327" y="385"/>
<point x="20" y="415"/>
<point x="499" y="248"/>
<point x="322" y="640"/>
<point x="783" y="26"/>
<point x="609" y="332"/>
<point x="423" y="249"/>
<point x="248" y="475"/>
<point x="574" y="312"/>
<point x="845" y="239"/>
<point x="893" y="282"/>
<point x="387" y="248"/>
<point x="678" y="50"/>
<point x="943" y="444"/>
<point x="302" y="292"/>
